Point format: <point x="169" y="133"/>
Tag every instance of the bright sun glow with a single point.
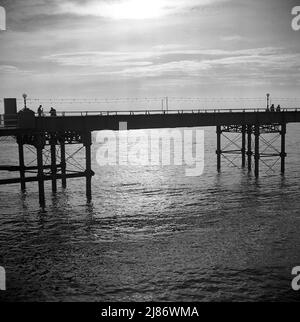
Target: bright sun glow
<point x="137" y="9"/>
<point x="131" y="9"/>
<point x="121" y="9"/>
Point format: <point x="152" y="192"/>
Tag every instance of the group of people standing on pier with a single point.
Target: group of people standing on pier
<point x="272" y="108"/>
<point x="40" y="111"/>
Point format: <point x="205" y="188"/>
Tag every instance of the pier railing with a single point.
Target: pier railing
<point x="11" y="120"/>
<point x="172" y="111"/>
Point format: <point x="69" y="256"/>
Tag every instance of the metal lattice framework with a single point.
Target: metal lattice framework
<point x="51" y="160"/>
<point x="265" y="147"/>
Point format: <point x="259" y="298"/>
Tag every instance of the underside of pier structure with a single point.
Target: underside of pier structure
<point x="51" y="146"/>
<point x="253" y="143"/>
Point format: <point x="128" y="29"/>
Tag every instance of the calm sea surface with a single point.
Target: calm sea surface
<point x="153" y="234"/>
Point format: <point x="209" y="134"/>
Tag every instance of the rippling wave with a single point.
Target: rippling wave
<point x="153" y="234"/>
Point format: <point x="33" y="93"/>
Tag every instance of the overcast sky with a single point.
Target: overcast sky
<point x="137" y="48"/>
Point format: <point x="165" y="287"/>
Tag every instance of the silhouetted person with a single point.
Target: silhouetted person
<point x="278" y="108"/>
<point x="40" y="110"/>
<point x="272" y="108"/>
<point x="53" y="112"/>
<point x="268" y="109"/>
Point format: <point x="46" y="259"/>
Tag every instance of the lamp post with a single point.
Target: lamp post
<point x="25" y="97"/>
<point x="167" y="103"/>
<point x="268" y="101"/>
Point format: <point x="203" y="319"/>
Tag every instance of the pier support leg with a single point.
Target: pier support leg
<point x="257" y="156"/>
<point x="243" y="146"/>
<point x="63" y="163"/>
<point x="283" y="153"/>
<point x="249" y="152"/>
<point x="53" y="164"/>
<point x="89" y="173"/>
<point x="21" y="163"/>
<point x="219" y="150"/>
<point x="39" y="150"/>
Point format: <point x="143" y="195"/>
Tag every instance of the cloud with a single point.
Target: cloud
<point x="29" y="8"/>
<point x="9" y="69"/>
<point x="100" y="58"/>
<point x="232" y="38"/>
<point x="174" y="68"/>
<point x="132" y="9"/>
<point x="173" y="61"/>
<point x="136" y="58"/>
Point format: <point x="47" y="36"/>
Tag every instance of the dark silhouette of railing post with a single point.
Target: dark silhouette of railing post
<point x="21" y="162"/>
<point x="283" y="153"/>
<point x="219" y="150"/>
<point x="243" y="146"/>
<point x="256" y="155"/>
<point x="87" y="141"/>
<point x="53" y="163"/>
<point x="40" y="176"/>
<point x="249" y="152"/>
<point x="63" y="162"/>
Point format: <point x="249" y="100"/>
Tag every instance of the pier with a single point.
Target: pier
<point x="68" y="128"/>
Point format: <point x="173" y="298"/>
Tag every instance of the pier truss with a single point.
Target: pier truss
<point x="252" y="143"/>
<point x="52" y="160"/>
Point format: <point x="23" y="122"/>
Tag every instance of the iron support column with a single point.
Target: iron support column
<point x="243" y="146"/>
<point x="40" y="176"/>
<point x="53" y="164"/>
<point x="249" y="152"/>
<point x="283" y="153"/>
<point x="257" y="156"/>
<point x="88" y="171"/>
<point x="219" y="151"/>
<point x="63" y="163"/>
<point x="21" y="163"/>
